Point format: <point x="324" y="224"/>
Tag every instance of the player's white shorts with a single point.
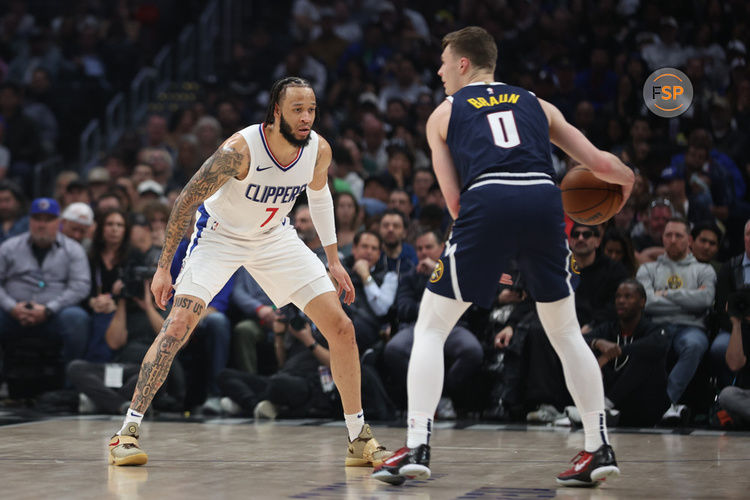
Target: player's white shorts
<point x="286" y="269"/>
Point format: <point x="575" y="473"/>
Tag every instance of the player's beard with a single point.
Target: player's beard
<point x="288" y="134"/>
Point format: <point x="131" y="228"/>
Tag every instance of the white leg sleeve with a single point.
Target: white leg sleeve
<point x="582" y="374"/>
<point x="437" y="317"/>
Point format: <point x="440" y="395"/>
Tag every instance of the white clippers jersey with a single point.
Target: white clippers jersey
<point x="263" y="199"/>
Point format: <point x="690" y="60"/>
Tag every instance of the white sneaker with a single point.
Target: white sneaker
<point x="674" y="412"/>
<point x="229" y="407"/>
<point x="265" y="409"/>
<point x="445" y="409"/>
<point x="86" y="405"/>
<point x="545" y="414"/>
<point x="574" y="415"/>
<point x="212" y="406"/>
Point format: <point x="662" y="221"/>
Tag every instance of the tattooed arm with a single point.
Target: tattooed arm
<point x="230" y="160"/>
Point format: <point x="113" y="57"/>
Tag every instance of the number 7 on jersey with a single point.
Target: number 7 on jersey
<point x="273" y="211"/>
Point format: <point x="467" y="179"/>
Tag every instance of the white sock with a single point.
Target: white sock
<point x="419" y="430"/>
<point x="582" y="374"/>
<point x="354" y="424"/>
<point x="424" y="380"/>
<point x="131" y="416"/>
<point x="595" y="427"/>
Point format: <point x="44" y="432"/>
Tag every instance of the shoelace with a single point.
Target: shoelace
<point x="580" y="455"/>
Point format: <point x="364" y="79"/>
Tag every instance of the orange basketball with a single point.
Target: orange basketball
<point x="587" y="199"/>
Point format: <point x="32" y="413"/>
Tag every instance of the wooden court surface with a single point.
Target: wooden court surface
<point x="227" y="459"/>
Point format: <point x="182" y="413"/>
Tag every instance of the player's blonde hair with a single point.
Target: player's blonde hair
<point x="475" y="44"/>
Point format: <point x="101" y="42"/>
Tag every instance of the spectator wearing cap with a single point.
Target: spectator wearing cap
<point x="648" y="246"/>
<point x="149" y="191"/>
<point x="679" y="292"/>
<point x="77" y="222"/>
<point x="665" y="51"/>
<point x="13" y="219"/>
<point x="99" y="180"/>
<point x="44" y="275"/>
<point x="693" y="209"/>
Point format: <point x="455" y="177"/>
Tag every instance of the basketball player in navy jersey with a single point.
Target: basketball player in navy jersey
<point x="491" y="153"/>
<point x="241" y="197"/>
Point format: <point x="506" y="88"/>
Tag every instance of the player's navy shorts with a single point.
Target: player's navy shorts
<point x="504" y="217"/>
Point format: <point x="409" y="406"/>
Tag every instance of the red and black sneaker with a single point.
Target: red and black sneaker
<point x="406" y="463"/>
<point x="590" y="469"/>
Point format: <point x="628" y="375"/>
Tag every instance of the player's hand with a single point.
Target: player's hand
<point x="161" y="287"/>
<point x="343" y="282"/>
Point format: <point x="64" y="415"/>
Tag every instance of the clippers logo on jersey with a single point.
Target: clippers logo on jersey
<point x="214" y="225"/>
<point x="273" y="194"/>
<point x="481" y="102"/>
<point x="438" y="272"/>
<point x="674" y="282"/>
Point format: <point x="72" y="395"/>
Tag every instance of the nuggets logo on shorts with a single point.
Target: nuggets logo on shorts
<point x="674" y="282"/>
<point x="574" y="265"/>
<point x="438" y="272"/>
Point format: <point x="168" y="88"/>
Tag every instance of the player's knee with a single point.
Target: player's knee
<point x="343" y="329"/>
<point x="179" y="323"/>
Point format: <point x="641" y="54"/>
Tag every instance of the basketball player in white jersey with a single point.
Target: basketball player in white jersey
<point x="242" y="195"/>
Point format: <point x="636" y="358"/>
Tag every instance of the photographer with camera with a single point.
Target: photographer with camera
<point x="735" y="399"/>
<point x="734" y="275"/>
<point x="124" y="323"/>
<point x="300" y="388"/>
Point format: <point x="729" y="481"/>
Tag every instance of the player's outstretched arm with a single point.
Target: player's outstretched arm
<point x="604" y="165"/>
<point x="321" y="212"/>
<point x="230" y="160"/>
<point x="442" y="161"/>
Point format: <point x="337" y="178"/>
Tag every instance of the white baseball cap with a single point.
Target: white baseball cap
<point x="79" y="212"/>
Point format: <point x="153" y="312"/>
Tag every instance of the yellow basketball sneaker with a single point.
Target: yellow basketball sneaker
<point x="124" y="449"/>
<point x="365" y="451"/>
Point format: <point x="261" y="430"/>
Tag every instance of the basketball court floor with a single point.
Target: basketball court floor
<point x="65" y="458"/>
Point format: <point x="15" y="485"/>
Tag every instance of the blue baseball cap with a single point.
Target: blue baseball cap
<point x="671" y="173"/>
<point x="45" y="206"/>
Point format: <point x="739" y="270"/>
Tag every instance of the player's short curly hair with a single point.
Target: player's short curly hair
<point x="277" y="91"/>
<point x="474" y="43"/>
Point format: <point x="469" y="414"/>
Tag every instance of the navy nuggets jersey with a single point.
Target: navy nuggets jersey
<point x="510" y="208"/>
<point x="497" y="128"/>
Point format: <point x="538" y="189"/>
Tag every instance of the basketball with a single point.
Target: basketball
<point x="588" y="199"/>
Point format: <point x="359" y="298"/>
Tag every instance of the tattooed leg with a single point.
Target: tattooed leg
<point x="156" y="363"/>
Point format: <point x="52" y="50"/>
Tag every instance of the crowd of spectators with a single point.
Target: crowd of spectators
<point x="660" y="287"/>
